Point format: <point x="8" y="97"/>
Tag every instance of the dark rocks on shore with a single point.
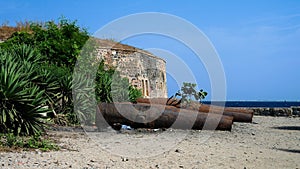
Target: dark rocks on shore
<point x="278" y="111"/>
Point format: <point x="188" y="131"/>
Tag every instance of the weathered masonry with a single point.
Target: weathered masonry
<point x="144" y="70"/>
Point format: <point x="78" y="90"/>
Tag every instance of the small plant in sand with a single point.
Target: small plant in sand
<point x="188" y="93"/>
<point x="9" y="142"/>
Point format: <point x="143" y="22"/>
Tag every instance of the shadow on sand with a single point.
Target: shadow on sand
<point x="287" y="128"/>
<point x="289" y="150"/>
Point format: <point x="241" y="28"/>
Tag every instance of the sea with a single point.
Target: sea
<point x="272" y="104"/>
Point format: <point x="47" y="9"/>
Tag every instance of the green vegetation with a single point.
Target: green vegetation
<point x="122" y="91"/>
<point x="134" y="94"/>
<point x="36" y="81"/>
<point x="10" y="141"/>
<point x="60" y="43"/>
<point x="21" y="97"/>
<point x="188" y="93"/>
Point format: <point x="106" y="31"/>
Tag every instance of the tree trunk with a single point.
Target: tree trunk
<point x="160" y="116"/>
<point x="239" y="115"/>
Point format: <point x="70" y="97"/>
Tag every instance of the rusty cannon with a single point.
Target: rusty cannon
<point x="154" y="116"/>
<point x="238" y="114"/>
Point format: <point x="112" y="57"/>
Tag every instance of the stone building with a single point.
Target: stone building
<point x="144" y="70"/>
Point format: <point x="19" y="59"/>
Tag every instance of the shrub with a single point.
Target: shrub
<point x="134" y="94"/>
<point x="111" y="87"/>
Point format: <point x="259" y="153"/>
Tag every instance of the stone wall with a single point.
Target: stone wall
<point x="144" y="70"/>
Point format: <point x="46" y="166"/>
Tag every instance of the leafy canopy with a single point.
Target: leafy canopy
<point x="60" y="43"/>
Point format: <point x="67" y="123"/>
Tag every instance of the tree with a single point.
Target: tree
<point x="61" y="43"/>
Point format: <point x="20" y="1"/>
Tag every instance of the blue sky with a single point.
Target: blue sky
<point x="258" y="42"/>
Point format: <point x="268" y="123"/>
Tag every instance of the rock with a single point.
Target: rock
<point x="278" y="111"/>
<point x="124" y="159"/>
<point x="177" y="151"/>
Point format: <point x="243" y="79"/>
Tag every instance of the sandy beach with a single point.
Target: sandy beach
<point x="268" y="142"/>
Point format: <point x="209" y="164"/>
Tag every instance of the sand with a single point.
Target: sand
<point x="268" y="142"/>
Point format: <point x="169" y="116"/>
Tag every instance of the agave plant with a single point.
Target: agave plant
<point x="22" y="105"/>
<point x="83" y="98"/>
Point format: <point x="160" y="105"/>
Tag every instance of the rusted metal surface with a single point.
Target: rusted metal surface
<point x="163" y="101"/>
<point x="238" y="114"/>
<point x="160" y="116"/>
